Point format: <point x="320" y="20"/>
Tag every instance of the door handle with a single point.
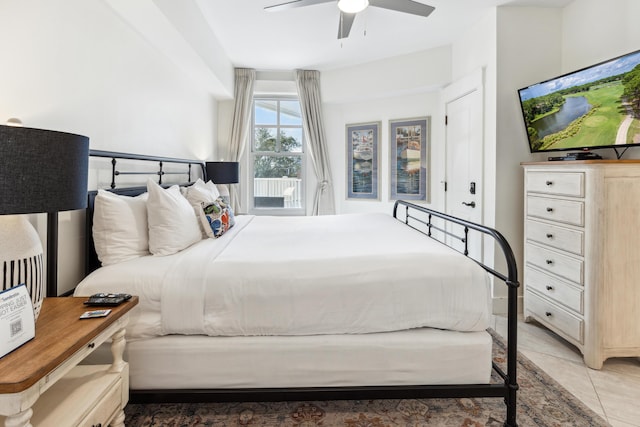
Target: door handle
<point x="472" y="204"/>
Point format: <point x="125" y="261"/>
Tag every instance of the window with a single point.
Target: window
<point x="277" y="156"/>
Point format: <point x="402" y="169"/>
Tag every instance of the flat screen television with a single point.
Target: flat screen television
<point x="595" y="107"/>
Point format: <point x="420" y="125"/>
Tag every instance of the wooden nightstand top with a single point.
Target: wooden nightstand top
<point x="59" y="334"/>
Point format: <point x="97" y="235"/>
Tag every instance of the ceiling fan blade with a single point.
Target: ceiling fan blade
<point x="344" y="26"/>
<point x="295" y="3"/>
<point x="406" y="6"/>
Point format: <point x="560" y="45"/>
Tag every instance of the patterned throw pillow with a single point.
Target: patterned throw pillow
<point x="217" y="217"/>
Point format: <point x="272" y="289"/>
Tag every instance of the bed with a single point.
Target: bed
<point x="303" y="308"/>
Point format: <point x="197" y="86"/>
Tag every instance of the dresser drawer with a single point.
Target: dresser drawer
<point x="555" y="262"/>
<point x="554" y="289"/>
<point x="554" y="316"/>
<point x="560" y="210"/>
<point x="557" y="237"/>
<point x="88" y="395"/>
<point x="559" y="183"/>
<point x="106" y="408"/>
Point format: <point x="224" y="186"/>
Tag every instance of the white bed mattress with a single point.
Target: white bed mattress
<point x="354" y="274"/>
<point x="411" y="357"/>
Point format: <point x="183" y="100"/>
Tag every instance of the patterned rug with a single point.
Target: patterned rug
<point x="542" y="402"/>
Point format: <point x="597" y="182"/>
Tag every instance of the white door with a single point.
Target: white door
<point x="464" y="166"/>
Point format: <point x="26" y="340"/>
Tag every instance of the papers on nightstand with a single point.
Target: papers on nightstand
<point x="17" y="322"/>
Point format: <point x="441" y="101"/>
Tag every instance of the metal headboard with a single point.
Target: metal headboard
<point x="161" y="161"/>
<point x="91" y="260"/>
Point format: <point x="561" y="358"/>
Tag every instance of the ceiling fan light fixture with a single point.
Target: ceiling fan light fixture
<point x="352" y="6"/>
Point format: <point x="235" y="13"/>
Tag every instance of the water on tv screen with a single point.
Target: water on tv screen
<point x="596" y="107"/>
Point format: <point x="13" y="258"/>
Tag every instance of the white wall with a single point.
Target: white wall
<point x="75" y="66"/>
<point x="521" y="60"/>
<point x="402" y="87"/>
<point x="337" y="116"/>
<point x="476" y="49"/>
<point x="420" y="72"/>
<point x="595" y="31"/>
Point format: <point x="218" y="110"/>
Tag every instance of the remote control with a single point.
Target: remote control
<point x="102" y="299"/>
<point x="95" y="313"/>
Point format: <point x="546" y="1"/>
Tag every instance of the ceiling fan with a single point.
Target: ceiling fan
<point x="349" y="9"/>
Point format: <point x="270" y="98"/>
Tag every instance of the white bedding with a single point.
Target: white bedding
<point x="353" y="274"/>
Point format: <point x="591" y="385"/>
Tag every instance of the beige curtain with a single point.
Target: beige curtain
<point x="308" y="83"/>
<point x="243" y="101"/>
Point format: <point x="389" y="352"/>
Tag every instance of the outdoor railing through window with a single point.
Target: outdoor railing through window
<point x="286" y="190"/>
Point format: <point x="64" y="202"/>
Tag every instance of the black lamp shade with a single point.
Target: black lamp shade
<point x="223" y="172"/>
<point x="42" y="170"/>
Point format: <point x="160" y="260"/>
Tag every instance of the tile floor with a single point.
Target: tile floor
<point x="613" y="392"/>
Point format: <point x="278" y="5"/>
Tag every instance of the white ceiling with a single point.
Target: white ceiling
<point x="307" y="37"/>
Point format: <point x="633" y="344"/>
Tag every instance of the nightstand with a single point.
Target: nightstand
<point x="41" y="383"/>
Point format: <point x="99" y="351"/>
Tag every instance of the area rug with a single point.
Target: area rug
<point x="542" y="402"/>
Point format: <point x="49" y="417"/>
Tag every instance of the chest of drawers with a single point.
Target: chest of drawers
<point x="582" y="263"/>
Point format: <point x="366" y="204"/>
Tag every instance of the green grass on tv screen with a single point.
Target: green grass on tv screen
<point x="598" y="127"/>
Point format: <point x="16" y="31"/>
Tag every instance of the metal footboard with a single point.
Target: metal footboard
<point x="425" y="220"/>
<point x="419" y="218"/>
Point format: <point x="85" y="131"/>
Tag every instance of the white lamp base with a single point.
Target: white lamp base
<point x="21" y="259"/>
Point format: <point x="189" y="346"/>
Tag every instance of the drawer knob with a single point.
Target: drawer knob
<point x="548" y="314"/>
<point x="549" y="183"/>
<point x="91" y="345"/>
<point x="549" y="261"/>
<point x="549" y="236"/>
<point x="549" y="288"/>
<point x="549" y="209"/>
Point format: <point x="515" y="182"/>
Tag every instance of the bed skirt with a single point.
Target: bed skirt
<point x="409" y="357"/>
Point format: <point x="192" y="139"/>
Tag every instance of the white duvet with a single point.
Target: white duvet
<point x="342" y="274"/>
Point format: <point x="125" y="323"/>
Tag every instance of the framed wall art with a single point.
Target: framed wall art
<point x="363" y="141"/>
<point x="409" y="141"/>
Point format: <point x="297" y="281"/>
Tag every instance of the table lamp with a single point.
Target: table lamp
<point x="223" y="173"/>
<point x="40" y="171"/>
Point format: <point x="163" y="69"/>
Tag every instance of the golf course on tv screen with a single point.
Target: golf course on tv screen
<point x="595" y="107"/>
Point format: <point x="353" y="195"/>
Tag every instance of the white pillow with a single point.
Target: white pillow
<point x="120" y="229"/>
<point x="173" y="225"/>
<point x="198" y="194"/>
<point x="213" y="188"/>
